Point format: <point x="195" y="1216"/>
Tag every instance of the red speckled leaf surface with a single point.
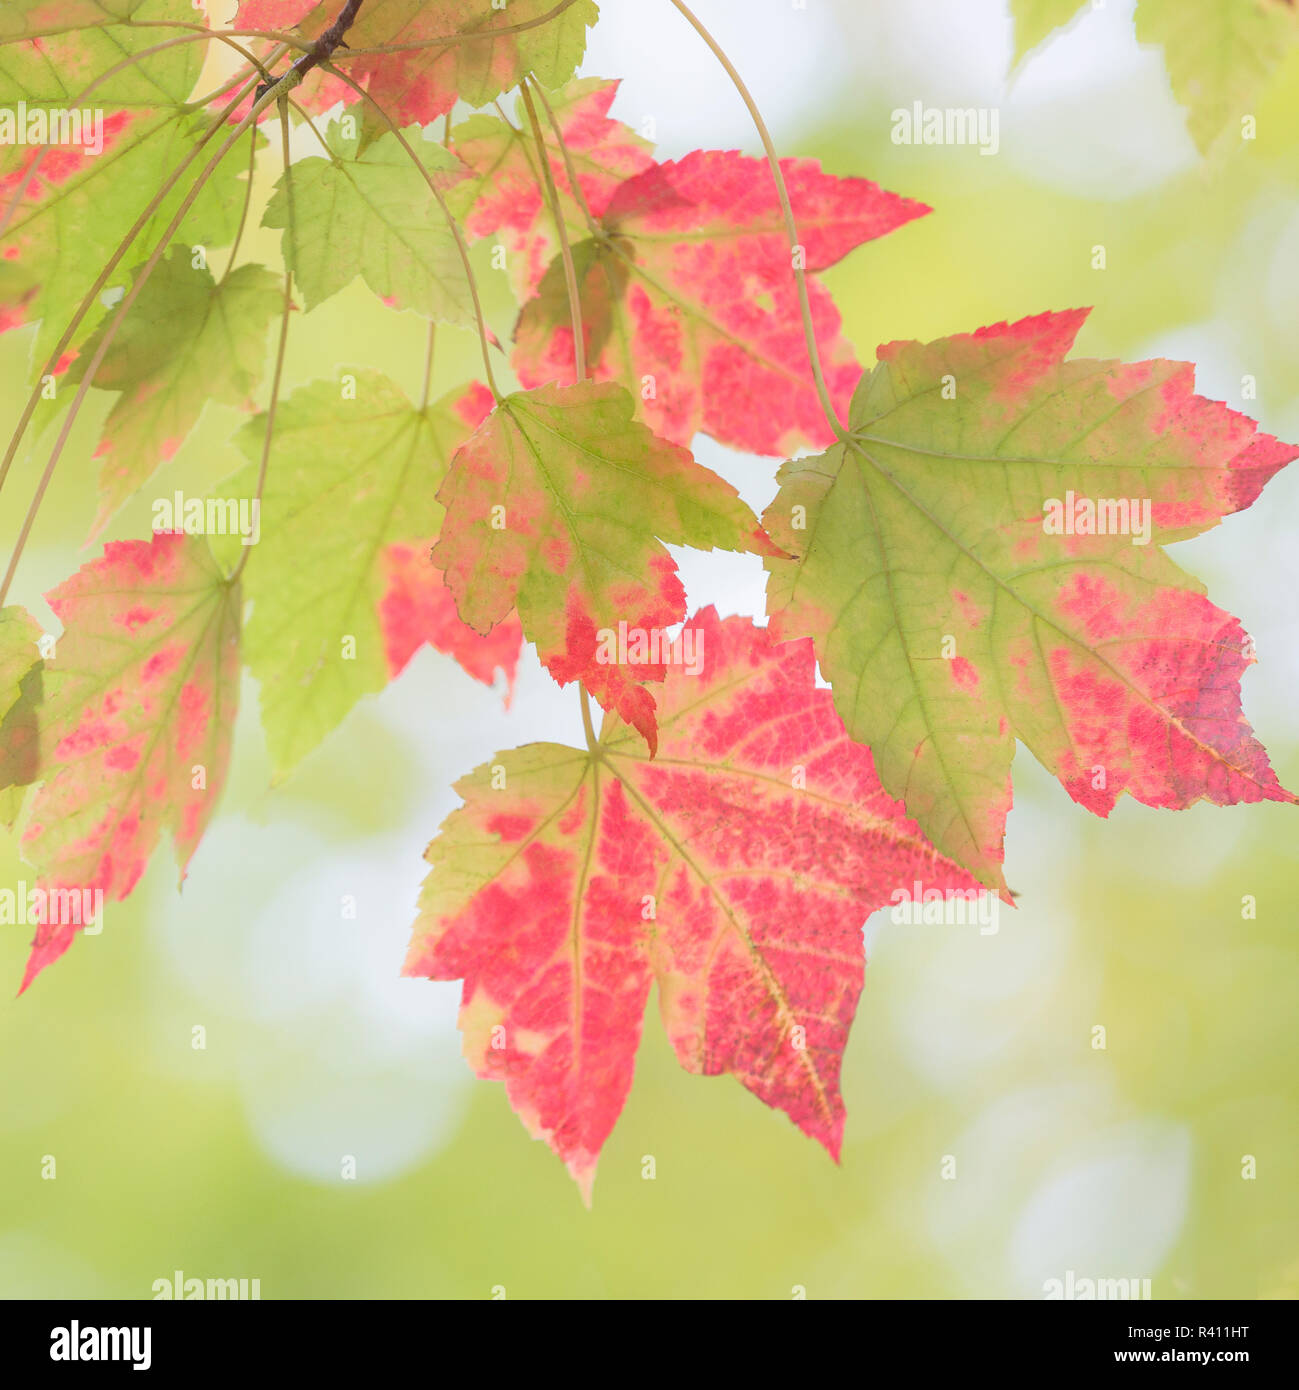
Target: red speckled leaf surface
<point x="690" y="299"/>
<point x="418" y="608"/>
<point x="140" y="701"/>
<point x="505" y="196"/>
<point x="735" y="871"/>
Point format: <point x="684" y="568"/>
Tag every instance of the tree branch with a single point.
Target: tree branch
<point x="324" y="47"/>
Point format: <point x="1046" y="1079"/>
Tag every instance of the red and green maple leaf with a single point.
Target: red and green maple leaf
<point x="735" y="871"/>
<point x="689" y="298"/>
<point x="135" y="725"/>
<point x="64" y="210"/>
<point x="558" y="505"/>
<point x="950" y="622"/>
<point x="505" y="197"/>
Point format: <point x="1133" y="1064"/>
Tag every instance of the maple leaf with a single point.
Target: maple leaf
<point x="1034" y="20"/>
<point x="689" y="298"/>
<point x="136" y="720"/>
<point x="558" y="504"/>
<point x="338" y="602"/>
<point x="505" y="197"/>
<point x="186" y="340"/>
<point x="735" y="870"/>
<point x="372" y="215"/>
<point x="1219" y="53"/>
<point x="65" y="216"/>
<point x="425" y="79"/>
<point x="39" y="18"/>
<point x="418" y="608"/>
<point x="949" y="622"/>
<point x="20" y="695"/>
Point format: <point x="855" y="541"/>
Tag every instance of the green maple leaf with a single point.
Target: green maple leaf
<point x="372" y="215"/>
<point x="186" y="340"/>
<point x="951" y="618"/>
<point x="1219" y="53"/>
<point x="1035" y="19"/>
<point x="350" y="478"/>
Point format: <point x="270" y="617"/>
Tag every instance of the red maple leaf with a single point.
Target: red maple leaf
<point x="506" y="198"/>
<point x="689" y="299"/>
<point x="418" y="608"/>
<point x="735" y="871"/>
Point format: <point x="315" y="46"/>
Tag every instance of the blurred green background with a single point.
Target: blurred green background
<point x="1122" y="1162"/>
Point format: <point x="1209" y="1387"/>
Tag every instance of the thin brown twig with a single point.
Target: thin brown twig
<point x="323" y="48"/>
<point x="305" y="46"/>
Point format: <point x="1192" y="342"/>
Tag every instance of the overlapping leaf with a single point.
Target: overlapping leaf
<point x="485" y="48"/>
<point x="65" y="210"/>
<point x="689" y="298"/>
<point x="135" y="725"/>
<point x="558" y="504"/>
<point x="341" y="584"/>
<point x="20" y="693"/>
<point x="1219" y="53"/>
<point x="372" y="215"/>
<point x="186" y="340"/>
<point x="418" y="608"/>
<point x="735" y="871"/>
<point x="951" y="619"/>
<point x="506" y="196"/>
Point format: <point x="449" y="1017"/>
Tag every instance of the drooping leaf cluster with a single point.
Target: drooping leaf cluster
<point x="729" y="827"/>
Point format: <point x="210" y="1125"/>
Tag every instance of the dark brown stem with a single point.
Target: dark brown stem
<point x="324" y="47"/>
